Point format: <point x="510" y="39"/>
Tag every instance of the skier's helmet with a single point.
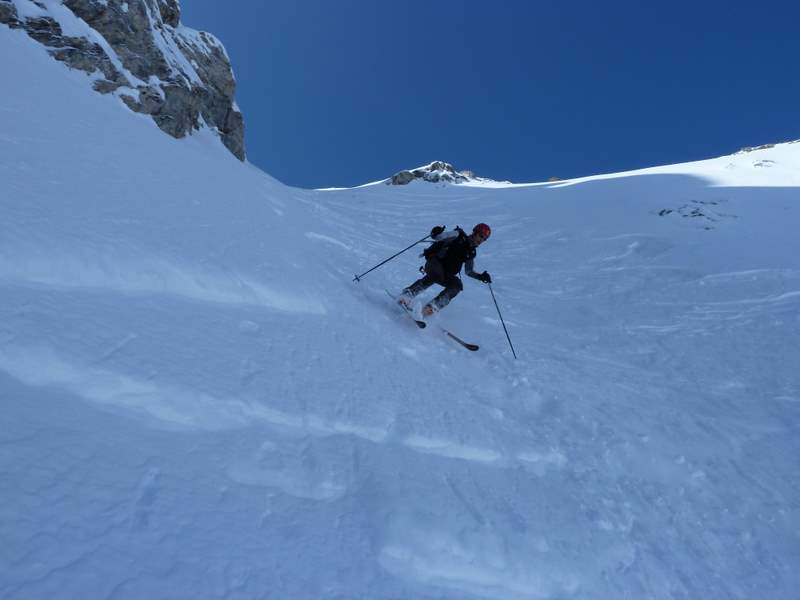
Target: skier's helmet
<point x="482" y="230"/>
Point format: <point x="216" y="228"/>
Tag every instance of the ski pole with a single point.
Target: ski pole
<point x="358" y="277"/>
<point x="503" y="322"/>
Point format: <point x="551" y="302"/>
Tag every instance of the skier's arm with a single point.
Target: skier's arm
<point x="469" y="269"/>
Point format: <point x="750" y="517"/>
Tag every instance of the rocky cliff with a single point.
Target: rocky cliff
<point x="138" y="50"/>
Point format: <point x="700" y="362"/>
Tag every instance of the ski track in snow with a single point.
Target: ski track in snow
<point x="153" y="277"/>
<point x="186" y="408"/>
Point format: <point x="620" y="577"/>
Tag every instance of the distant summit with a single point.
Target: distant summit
<point x="436" y="172"/>
<point x="139" y="51"/>
<point x="748" y="149"/>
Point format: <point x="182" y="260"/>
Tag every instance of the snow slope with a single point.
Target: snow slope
<point x="198" y="402"/>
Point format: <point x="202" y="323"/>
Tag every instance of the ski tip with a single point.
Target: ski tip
<point x="467" y="345"/>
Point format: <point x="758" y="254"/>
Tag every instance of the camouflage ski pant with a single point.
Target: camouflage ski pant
<point x="434" y="273"/>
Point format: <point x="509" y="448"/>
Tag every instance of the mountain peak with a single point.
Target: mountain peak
<point x="436" y="172"/>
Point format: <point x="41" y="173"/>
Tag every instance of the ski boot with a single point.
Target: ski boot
<point x="428" y="310"/>
<point x="405" y="301"/>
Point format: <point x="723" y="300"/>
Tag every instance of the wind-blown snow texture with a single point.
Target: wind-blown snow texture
<point x="198" y="402"/>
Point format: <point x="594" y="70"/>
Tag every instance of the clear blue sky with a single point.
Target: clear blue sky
<point x="339" y="93"/>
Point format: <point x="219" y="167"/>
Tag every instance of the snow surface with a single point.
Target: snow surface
<point x="198" y="402"/>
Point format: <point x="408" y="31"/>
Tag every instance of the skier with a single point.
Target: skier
<point x="443" y="261"/>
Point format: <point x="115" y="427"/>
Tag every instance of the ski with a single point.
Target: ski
<point x="423" y="324"/>
<point x="467" y="345"/>
<point x="420" y="324"/>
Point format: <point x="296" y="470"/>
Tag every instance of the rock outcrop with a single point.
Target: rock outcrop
<point x="436" y="172"/>
<point x="138" y="50"/>
<point x="747" y="149"/>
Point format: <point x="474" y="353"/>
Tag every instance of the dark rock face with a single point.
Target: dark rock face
<point x="77" y="52"/>
<point x="138" y="50"/>
<point x="8" y="14"/>
<point x="403" y="178"/>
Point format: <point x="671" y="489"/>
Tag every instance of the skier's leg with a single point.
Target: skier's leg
<point x="452" y="288"/>
<point x="433" y="271"/>
<point x="418" y="286"/>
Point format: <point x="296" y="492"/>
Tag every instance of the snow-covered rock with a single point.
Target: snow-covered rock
<point x="139" y="50"/>
<point x="748" y="149"/>
<point x="435" y="172"/>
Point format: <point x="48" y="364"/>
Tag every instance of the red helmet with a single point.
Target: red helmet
<point x="483" y="230"/>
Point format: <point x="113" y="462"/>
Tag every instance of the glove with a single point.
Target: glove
<point x="485" y="277"/>
<point x="438" y="230"/>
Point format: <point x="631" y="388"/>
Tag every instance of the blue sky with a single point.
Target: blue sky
<point x="342" y="93"/>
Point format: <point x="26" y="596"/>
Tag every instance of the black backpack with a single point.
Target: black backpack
<point x="439" y="249"/>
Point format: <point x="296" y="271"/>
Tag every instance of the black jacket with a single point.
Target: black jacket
<point x="453" y="250"/>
